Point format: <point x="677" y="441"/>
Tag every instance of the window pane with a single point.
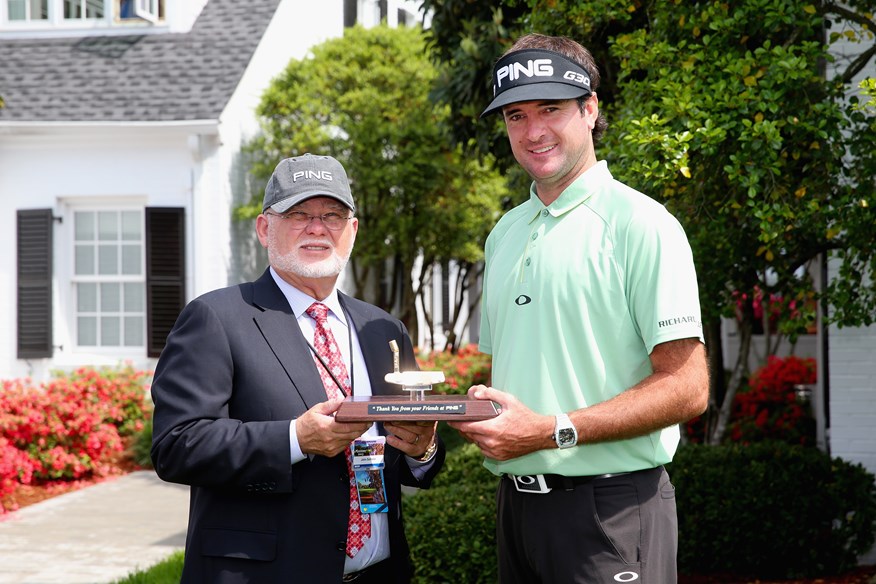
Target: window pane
<point x="132" y="225"/>
<point x="110" y="335"/>
<point x="134" y="331"/>
<point x="109" y="243"/>
<point x="107" y="259"/>
<point x="83" y="226"/>
<point x="27" y="10"/>
<point x="110" y="298"/>
<point x="72" y="9"/>
<point x="134" y="298"/>
<point x="86" y="297"/>
<point x="17" y="10"/>
<point x="131" y="259"/>
<point x="86" y="327"/>
<point x="84" y="261"/>
<point x="108" y="226"/>
<point x="93" y="8"/>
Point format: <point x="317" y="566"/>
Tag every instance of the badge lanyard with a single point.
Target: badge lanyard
<point x="368" y="453"/>
<point x="349" y="345"/>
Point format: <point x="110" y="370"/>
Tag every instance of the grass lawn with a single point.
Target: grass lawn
<point x="167" y="571"/>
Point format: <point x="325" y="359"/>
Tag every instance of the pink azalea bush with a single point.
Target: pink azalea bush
<point x="462" y="369"/>
<point x="70" y="427"/>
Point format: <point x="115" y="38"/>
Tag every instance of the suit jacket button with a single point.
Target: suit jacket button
<point x="342" y="546"/>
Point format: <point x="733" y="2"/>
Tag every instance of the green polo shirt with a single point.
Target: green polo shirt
<point x="576" y="295"/>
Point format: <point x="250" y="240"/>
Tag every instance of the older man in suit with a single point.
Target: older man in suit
<point x="245" y="394"/>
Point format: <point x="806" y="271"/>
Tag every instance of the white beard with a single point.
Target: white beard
<point x="292" y="263"/>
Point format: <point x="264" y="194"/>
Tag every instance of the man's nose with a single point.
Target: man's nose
<point x="535" y="129"/>
<point x="315" y="225"/>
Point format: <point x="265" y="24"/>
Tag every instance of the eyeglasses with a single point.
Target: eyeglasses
<point x="300" y="219"/>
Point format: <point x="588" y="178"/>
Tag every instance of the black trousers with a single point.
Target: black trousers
<point x="617" y="529"/>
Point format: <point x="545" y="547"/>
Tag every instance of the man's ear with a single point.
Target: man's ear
<point x="262" y="230"/>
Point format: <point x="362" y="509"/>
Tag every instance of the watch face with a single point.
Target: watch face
<point x="565" y="436"/>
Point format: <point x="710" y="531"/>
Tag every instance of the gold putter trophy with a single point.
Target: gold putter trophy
<point x="416" y="406"/>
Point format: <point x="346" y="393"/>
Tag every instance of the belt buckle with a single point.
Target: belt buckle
<point x="530" y="484"/>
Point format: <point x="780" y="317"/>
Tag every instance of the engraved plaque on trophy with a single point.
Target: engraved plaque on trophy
<point x="416" y="405"/>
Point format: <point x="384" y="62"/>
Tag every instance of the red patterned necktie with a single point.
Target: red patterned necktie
<point x="359" y="527"/>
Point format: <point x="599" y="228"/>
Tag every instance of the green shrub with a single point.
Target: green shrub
<point x="771" y="510"/>
<point x="142" y="445"/>
<point x="765" y="510"/>
<point x="451" y="527"/>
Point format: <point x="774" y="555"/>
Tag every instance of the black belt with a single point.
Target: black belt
<point x="544" y="483"/>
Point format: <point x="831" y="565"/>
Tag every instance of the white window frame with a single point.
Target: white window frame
<point x="146" y="11"/>
<point x="4" y="15"/>
<point x="71" y="280"/>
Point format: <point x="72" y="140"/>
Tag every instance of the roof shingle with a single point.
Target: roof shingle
<point x="159" y="77"/>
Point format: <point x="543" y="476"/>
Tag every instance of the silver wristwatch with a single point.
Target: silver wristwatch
<point x="565" y="434"/>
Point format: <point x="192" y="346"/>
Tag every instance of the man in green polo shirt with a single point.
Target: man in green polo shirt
<point x="591" y="314"/>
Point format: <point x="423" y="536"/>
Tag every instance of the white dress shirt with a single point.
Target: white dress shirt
<point x="376" y="548"/>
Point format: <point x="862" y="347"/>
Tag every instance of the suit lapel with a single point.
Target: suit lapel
<point x="280" y="329"/>
<point x="374" y="343"/>
<point x="374" y="336"/>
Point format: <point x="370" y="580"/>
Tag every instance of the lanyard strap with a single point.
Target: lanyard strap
<point x="350" y="346"/>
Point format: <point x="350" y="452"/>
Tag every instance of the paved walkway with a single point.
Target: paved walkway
<point x="95" y="535"/>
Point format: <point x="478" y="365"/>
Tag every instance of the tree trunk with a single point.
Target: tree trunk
<point x="403" y="285"/>
<point x="740" y="372"/>
<point x="717" y="377"/>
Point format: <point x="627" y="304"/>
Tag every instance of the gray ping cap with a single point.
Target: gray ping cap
<point x="304" y="177"/>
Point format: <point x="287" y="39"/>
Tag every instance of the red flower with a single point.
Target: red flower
<point x="66" y="428"/>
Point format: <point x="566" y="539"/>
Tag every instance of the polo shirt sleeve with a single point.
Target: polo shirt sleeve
<point x="661" y="283"/>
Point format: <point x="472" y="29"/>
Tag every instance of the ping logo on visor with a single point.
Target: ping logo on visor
<point x="514" y="69"/>
<point x="533" y="74"/>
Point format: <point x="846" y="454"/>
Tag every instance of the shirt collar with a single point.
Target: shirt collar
<point x="299" y="302"/>
<point x="581" y="189"/>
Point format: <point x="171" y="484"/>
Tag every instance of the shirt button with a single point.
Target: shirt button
<point x="534" y="236"/>
<point x="544" y="212"/>
<point x="528" y="261"/>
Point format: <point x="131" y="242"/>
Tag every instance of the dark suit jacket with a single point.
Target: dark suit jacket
<point x="236" y="369"/>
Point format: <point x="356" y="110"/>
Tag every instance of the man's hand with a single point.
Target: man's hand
<point x="319" y="433"/>
<point x="516" y="431"/>
<point x="412" y="438"/>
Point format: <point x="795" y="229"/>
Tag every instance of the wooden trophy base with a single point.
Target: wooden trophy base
<point x="401" y="408"/>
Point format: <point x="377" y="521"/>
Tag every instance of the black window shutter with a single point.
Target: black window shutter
<point x="165" y="273"/>
<point x="34" y="309"/>
<point x="350" y="13"/>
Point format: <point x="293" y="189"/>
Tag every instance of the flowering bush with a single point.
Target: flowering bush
<point x="790" y="316"/>
<point x="68" y="428"/>
<point x="462" y="369"/>
<point x="15" y="467"/>
<point x="769" y="408"/>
